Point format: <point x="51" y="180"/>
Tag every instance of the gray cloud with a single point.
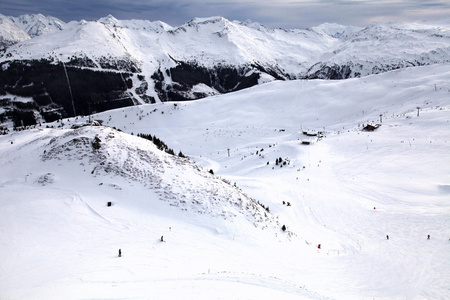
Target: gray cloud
<point x="279" y="13"/>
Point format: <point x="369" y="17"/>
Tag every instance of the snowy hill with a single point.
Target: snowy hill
<point x="69" y="176"/>
<point x="347" y="191"/>
<point x="108" y="153"/>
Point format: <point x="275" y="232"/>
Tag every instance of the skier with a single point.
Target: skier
<point x="162" y="238"/>
<point x="120" y="253"/>
<point x="428" y="237"/>
<point x="387" y="237"/>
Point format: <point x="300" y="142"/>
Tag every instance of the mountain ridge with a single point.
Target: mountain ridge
<point x="36" y="24"/>
<point x="245" y="37"/>
<point x="10" y="33"/>
<point x="203" y="57"/>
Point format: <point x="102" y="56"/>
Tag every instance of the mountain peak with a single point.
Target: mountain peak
<point x="109" y="19"/>
<point x="37" y="24"/>
<point x="208" y="20"/>
<point x="336" y="30"/>
<point x="251" y="24"/>
<point x="10" y="33"/>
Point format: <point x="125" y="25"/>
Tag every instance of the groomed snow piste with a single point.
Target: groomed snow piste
<point x="348" y="190"/>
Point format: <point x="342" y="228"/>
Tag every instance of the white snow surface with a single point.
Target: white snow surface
<point x="347" y="191"/>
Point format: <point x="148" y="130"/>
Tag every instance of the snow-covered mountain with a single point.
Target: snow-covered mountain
<point x="148" y="62"/>
<point x="336" y="30"/>
<point x="381" y="47"/>
<point x="216" y="40"/>
<point x="35" y="25"/>
<point x="10" y="34"/>
<point x="347" y="189"/>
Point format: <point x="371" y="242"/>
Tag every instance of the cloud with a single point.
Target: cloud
<point x="272" y="13"/>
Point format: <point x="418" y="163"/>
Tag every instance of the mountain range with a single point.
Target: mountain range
<point x="50" y="69"/>
<point x="278" y="182"/>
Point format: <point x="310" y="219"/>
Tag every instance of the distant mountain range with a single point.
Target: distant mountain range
<point x="51" y="69"/>
<point x="35" y="25"/>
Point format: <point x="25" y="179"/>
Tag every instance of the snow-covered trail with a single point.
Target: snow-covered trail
<point x="79" y="242"/>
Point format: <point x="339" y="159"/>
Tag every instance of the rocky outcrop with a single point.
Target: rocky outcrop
<point x="330" y="72"/>
<point x="42" y="90"/>
<point x="33" y="91"/>
<point x="186" y="76"/>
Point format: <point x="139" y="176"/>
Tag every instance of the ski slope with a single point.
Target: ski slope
<point x="347" y="191"/>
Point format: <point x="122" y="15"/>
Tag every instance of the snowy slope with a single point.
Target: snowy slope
<point x="64" y="183"/>
<point x="347" y="191"/>
<point x="401" y="170"/>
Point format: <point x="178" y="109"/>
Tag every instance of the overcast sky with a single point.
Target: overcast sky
<point x="275" y="13"/>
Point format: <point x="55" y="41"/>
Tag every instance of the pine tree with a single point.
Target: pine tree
<point x="96" y="143"/>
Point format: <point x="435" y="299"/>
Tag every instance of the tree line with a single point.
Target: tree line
<point x="159" y="144"/>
